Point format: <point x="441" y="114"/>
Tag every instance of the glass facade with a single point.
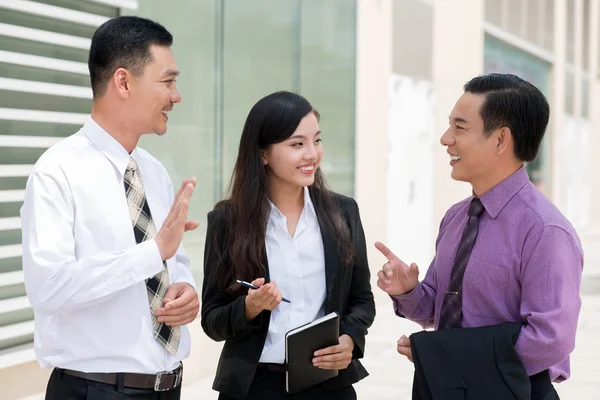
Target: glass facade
<point x="232" y="53"/>
<point x="504" y="58"/>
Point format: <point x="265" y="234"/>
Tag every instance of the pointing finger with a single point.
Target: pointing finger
<point x="385" y="251"/>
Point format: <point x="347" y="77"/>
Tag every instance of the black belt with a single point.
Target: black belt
<point x="272" y="367"/>
<point x="160" y="382"/>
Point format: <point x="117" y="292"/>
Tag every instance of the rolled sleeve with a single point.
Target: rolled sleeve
<point x="550" y="305"/>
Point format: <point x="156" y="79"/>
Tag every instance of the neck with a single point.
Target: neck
<point x="286" y="197"/>
<point x="498" y="174"/>
<point x="115" y="127"/>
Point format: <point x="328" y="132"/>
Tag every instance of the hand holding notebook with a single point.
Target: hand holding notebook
<point x="322" y="337"/>
<point x="335" y="357"/>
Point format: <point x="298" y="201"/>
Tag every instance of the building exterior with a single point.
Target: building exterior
<point x="438" y="46"/>
<point x="384" y="75"/>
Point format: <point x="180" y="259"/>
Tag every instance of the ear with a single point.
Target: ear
<point x="122" y="82"/>
<point x="504" y="140"/>
<point x="263" y="155"/>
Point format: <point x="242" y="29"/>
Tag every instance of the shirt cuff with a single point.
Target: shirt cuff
<point x="406" y="304"/>
<point x="147" y="260"/>
<point x="187" y="278"/>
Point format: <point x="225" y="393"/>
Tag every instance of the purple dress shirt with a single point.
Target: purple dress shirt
<point x="525" y="266"/>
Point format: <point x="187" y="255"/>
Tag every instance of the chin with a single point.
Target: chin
<point x="308" y="181"/>
<point x="301" y="182"/>
<point x="161" y="131"/>
<point x="457" y="176"/>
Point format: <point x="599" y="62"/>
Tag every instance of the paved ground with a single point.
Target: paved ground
<point x="391" y="374"/>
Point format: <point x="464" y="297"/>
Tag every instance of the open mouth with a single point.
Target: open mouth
<point x="454" y="159"/>
<point x="307" y="169"/>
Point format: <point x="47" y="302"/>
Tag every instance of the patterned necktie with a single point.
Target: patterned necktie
<point x="451" y="313"/>
<point x="144" y="229"/>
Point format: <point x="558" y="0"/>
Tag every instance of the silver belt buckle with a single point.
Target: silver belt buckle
<point x="157" y="387"/>
<point x="157" y="382"/>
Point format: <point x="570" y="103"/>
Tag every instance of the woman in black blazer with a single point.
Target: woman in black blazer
<point x="283" y="230"/>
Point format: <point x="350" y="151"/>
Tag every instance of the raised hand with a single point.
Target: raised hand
<point x="396" y="277"/>
<point x="171" y="233"/>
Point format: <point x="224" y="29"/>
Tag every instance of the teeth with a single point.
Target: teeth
<point x="309" y="168"/>
<point x="455" y="158"/>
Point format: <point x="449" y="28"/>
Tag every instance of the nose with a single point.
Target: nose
<point x="447" y="138"/>
<point x="311" y="153"/>
<point x="175" y="96"/>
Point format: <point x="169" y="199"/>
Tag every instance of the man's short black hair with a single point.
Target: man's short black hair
<point x="515" y="103"/>
<point x="123" y="42"/>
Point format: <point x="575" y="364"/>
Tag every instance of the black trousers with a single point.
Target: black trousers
<point x="270" y="385"/>
<point x="66" y="387"/>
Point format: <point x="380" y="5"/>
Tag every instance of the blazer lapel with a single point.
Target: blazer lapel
<point x="331" y="262"/>
<point x="330" y="249"/>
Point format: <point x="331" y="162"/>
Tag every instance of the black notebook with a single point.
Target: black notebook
<point x="300" y="345"/>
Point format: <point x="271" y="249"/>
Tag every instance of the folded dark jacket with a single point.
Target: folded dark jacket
<point x="474" y="363"/>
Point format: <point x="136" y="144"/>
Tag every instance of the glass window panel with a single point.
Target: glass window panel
<point x="36" y="101"/>
<point x="12" y="183"/>
<point x="7" y="292"/>
<point x="27" y="128"/>
<point x="585" y="97"/>
<point x="17" y="45"/>
<point x="569" y="92"/>
<point x="259" y="38"/>
<point x="18" y="155"/>
<point x="15" y="71"/>
<point x="189" y="145"/>
<point x="11" y="342"/>
<point x="327" y="79"/>
<point x="501" y="57"/>
<point x="12" y="236"/>
<point x="85" y="6"/>
<point x="16" y="317"/>
<point x="9" y="264"/>
<point x="45" y="23"/>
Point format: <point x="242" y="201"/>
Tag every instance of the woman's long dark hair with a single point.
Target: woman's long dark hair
<point x="272" y="120"/>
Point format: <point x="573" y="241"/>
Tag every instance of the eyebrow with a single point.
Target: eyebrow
<point x="302" y="136"/>
<point x="458" y="119"/>
<point x="171" y="72"/>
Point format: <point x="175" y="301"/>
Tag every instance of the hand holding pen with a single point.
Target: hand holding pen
<point x="264" y="297"/>
<point x="251" y="286"/>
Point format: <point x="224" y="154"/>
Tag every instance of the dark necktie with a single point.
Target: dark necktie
<point x="144" y="229"/>
<point x="451" y="313"/>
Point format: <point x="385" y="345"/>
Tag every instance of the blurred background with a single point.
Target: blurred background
<point x="384" y="75"/>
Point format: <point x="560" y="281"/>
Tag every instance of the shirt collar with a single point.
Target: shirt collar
<point x="308" y="206"/>
<point x="109" y="146"/>
<point x="497" y="197"/>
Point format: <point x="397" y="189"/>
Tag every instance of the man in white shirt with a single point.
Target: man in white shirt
<point x="104" y="268"/>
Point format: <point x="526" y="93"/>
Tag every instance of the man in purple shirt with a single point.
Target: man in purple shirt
<point x="526" y="262"/>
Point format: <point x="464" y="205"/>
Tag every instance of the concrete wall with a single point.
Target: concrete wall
<point x="412" y="38"/>
<point x="373" y="68"/>
<point x="457" y="57"/>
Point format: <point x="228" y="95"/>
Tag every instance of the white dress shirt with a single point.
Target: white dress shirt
<point x="84" y="273"/>
<point x="297" y="265"/>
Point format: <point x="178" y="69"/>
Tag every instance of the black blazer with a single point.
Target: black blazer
<point x="474" y="363"/>
<point x="348" y="293"/>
